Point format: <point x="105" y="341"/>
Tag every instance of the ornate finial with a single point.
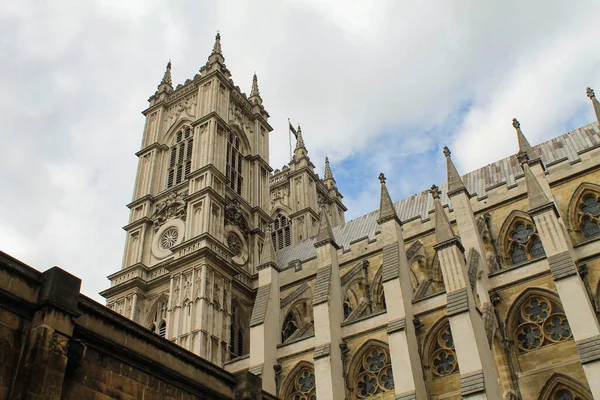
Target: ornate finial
<point x="516" y="124"/>
<point x="255" y="91"/>
<point x="382" y="178"/>
<point x="447" y="151"/>
<point x="299" y="129"/>
<point x="299" y="138"/>
<point x="435" y="192"/>
<point x="217" y="46"/>
<point x="167" y="77"/>
<point x="590" y="93"/>
<point x="328" y="173"/>
<point x="522" y="156"/>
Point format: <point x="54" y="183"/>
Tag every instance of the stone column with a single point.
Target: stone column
<point x="328" y="312"/>
<point x="42" y="370"/>
<point x="265" y="327"/>
<point x="478" y="378"/>
<point x="398" y="291"/>
<point x="570" y="287"/>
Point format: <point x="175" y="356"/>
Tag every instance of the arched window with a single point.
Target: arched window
<point x="590" y="216"/>
<point x="159" y="318"/>
<point x="524" y="243"/>
<point x="180" y="157"/>
<point x="237" y="334"/>
<point x="290" y="326"/>
<point x="538" y="321"/>
<point x="233" y="163"/>
<point x="355" y="300"/>
<point x="300" y="385"/>
<point x="378" y="296"/>
<point x="442" y="359"/>
<point x="370" y="372"/>
<point x="562" y="387"/>
<point x="281" y="232"/>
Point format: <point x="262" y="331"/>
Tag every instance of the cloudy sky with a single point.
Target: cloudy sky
<point x="378" y="85"/>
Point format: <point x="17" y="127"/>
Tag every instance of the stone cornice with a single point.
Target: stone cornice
<point x="140" y="201"/>
<point x="150" y="147"/>
<point x="138" y="223"/>
<point x="449" y="243"/>
<point x="543" y="208"/>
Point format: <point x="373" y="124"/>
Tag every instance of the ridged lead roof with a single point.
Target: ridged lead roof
<point x="505" y="171"/>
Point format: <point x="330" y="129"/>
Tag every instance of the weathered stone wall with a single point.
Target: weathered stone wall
<point x="58" y="344"/>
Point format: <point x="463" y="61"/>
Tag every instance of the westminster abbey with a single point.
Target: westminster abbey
<point x="484" y="287"/>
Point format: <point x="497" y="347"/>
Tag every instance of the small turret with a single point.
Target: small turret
<point x="216" y="59"/>
<point x="328" y="180"/>
<point x="166" y="85"/>
<point x="300" y="151"/>
<point x="595" y="103"/>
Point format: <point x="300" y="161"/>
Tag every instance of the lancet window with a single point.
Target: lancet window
<point x="237" y="331"/>
<point x="159" y="319"/>
<point x="562" y="387"/>
<point x="523" y="243"/>
<point x="233" y="167"/>
<point x="180" y="157"/>
<point x="281" y="232"/>
<point x="290" y="326"/>
<point x="540" y="322"/>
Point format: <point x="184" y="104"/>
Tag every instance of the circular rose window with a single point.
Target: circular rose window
<point x="169" y="238"/>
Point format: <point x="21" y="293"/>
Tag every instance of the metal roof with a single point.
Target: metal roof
<point x="505" y="171"/>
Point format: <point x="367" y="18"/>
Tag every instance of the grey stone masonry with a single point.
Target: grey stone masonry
<point x="588" y="349"/>
<point x="256" y="370"/>
<point x="322" y="284"/>
<point x="471" y="383"/>
<point x="562" y="265"/>
<point x="391" y="261"/>
<point x="396" y="325"/>
<point x="322" y="351"/>
<point x="406" y="396"/>
<point x="457" y="302"/>
<point x="260" y="305"/>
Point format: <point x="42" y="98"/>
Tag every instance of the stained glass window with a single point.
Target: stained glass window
<point x="541" y="322"/>
<point x="303" y="386"/>
<point x="443" y="357"/>
<point x="233" y="164"/>
<point x="524" y="244"/>
<point x="374" y="376"/>
<point x="590" y="216"/>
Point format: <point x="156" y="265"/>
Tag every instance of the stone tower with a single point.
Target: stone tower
<point x="199" y="209"/>
<point x="297" y="194"/>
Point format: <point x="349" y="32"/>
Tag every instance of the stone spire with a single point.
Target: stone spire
<point x="299" y="139"/>
<point x="255" y="94"/>
<point x="443" y="230"/>
<point x="325" y="234"/>
<point x="328" y="174"/>
<point x="535" y="193"/>
<point x="167" y="80"/>
<point x="386" y="207"/>
<point x="455" y="182"/>
<point x="592" y="96"/>
<point x="217" y="54"/>
<point x="523" y="143"/>
<point x="267" y="255"/>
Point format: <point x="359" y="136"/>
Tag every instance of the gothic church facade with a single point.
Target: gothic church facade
<point x="484" y="287"/>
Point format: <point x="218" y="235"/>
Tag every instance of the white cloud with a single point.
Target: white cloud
<point x="386" y="83"/>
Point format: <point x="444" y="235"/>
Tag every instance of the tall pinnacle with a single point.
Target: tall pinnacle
<point x="443" y="230"/>
<point x="267" y="255"/>
<point x="325" y="234"/>
<point x="328" y="174"/>
<point x="255" y="94"/>
<point x="455" y="182"/>
<point x="167" y="80"/>
<point x="523" y="143"/>
<point x="217" y="46"/>
<point x="537" y="196"/>
<point x="299" y="138"/>
<point x="386" y="207"/>
<point x="592" y="96"/>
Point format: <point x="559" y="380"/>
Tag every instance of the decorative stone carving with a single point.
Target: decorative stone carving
<point x="173" y="207"/>
<point x="236" y="216"/>
<point x="234" y="243"/>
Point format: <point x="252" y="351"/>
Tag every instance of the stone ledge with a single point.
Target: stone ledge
<point x="322" y="350"/>
<point x="472" y="383"/>
<point x="458" y="302"/>
<point x="588" y="349"/>
<point x="397" y="325"/>
<point x="562" y="265"/>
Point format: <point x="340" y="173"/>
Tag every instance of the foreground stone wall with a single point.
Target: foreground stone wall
<point x="58" y="344"/>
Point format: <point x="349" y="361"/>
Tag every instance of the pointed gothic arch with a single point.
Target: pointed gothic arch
<point x="298" y="320"/>
<point x="370" y="371"/>
<point x="536" y="319"/>
<point x="377" y="294"/>
<point x="439" y="354"/>
<point x="169" y="136"/>
<point x="519" y="240"/>
<point x="299" y="384"/>
<point x="563" y="387"/>
<point x="355" y="298"/>
<point x="241" y="133"/>
<point x="156" y="315"/>
<point x="584" y="211"/>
